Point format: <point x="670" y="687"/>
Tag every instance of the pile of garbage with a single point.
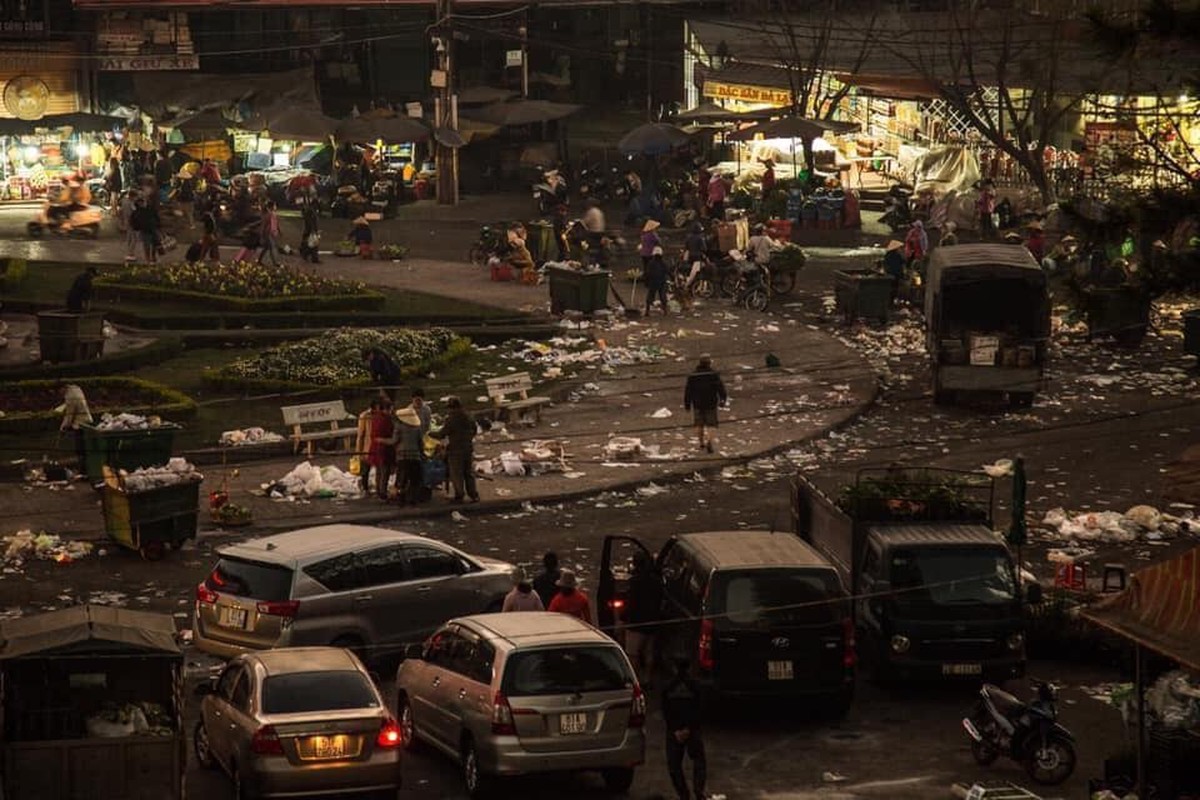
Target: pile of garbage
<point x="309" y="480"/>
<point x="885" y="347"/>
<point x="619" y="450"/>
<point x="129" y="719"/>
<point x="247" y="436"/>
<point x="131" y="422"/>
<point x="177" y="471"/>
<point x="536" y="457"/>
<point x="1140" y="523"/>
<point x="579" y="351"/>
<point x="1174" y="699"/>
<point x="25" y="545"/>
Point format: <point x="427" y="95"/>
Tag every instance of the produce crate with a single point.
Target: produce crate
<point x="1122" y="312"/>
<point x="1191" y="332"/>
<point x="578" y="290"/>
<point x="126" y="450"/>
<point x="64" y="336"/>
<point x="151" y="520"/>
<point x="863" y="293"/>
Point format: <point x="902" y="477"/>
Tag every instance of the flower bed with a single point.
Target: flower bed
<point x="238" y="286"/>
<point x="29" y="405"/>
<point x="335" y="359"/>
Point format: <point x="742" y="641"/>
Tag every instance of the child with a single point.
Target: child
<point x="361" y="235"/>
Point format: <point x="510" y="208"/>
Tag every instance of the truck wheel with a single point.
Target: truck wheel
<point x="152" y="551"/>
<point x="783" y="282"/>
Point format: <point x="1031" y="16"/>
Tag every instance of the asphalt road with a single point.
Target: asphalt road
<point x="1099" y="438"/>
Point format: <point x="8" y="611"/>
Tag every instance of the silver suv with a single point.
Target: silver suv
<point x="524" y="692"/>
<point x="369" y="589"/>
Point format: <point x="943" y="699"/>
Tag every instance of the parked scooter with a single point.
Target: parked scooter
<point x="66" y="220"/>
<point x="751" y="286"/>
<point x="897" y="208"/>
<point x="551" y="191"/>
<point x="1025" y="732"/>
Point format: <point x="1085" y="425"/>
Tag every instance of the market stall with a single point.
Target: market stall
<point x="38" y="157"/>
<point x="91" y="704"/>
<point x="1160" y="612"/>
<point x="378" y="164"/>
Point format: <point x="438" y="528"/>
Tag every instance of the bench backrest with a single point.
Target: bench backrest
<point x="517" y="383"/>
<point x="315" y="413"/>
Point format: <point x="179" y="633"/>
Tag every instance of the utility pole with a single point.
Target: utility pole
<point x="524" y="31"/>
<point x="445" y="107"/>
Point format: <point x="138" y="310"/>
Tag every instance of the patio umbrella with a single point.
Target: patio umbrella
<point x="389" y="129"/>
<point x="652" y="139"/>
<point x="482" y="95"/>
<point x="523" y="112"/>
<point x="301" y="123"/>
<point x="794" y="128"/>
<point x="204" y="125"/>
<point x="711" y="112"/>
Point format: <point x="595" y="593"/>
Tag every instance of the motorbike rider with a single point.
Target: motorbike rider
<point x="761" y="246"/>
<point x="695" y="251"/>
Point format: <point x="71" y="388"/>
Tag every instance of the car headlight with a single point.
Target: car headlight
<point x="900" y="644"/>
<point x="1016" y="641"/>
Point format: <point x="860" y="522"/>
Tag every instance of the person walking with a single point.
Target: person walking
<point x="113" y="183"/>
<point x="594" y="227"/>
<point x="407" y="438"/>
<point x="364" y="442"/>
<point x="79" y="296"/>
<point x="643" y="611"/>
<point x="269" y="235"/>
<point x="682" y="709"/>
<point x="546" y="582"/>
<point x="522" y="597"/>
<point x="459" y="433"/>
<point x="702" y="395"/>
<point x="184" y="195"/>
<point x="655" y="273"/>
<point x="145" y="221"/>
<point x="916" y="243"/>
<point x="649" y="242"/>
<point x="209" y="249"/>
<point x="75" y="413"/>
<point x="133" y="239"/>
<point x="717" y="191"/>
<point x="985" y="206"/>
<point x="570" y="600"/>
<point x="310" y="237"/>
<point x="382" y="453"/>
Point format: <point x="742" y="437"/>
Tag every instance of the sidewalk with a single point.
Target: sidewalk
<point x="820" y="385"/>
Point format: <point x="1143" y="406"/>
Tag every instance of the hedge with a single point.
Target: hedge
<point x="368" y="300"/>
<point x="155" y="398"/>
<point x="132" y="358"/>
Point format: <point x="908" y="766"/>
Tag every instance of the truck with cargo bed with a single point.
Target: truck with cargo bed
<point x="936" y="592"/>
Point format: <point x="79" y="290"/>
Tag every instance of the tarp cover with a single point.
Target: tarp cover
<point x="87" y="628"/>
<point x="155" y="92"/>
<point x="1160" y="609"/>
<point x="946" y="169"/>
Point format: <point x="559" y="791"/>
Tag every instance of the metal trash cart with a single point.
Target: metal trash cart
<point x="152" y="520"/>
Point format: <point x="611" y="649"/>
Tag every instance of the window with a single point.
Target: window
<point x="780" y="596"/>
<point x="337" y="574"/>
<point x="226" y="681"/>
<point x="565" y="670"/>
<point x="871" y="564"/>
<point x="305" y="692"/>
<point x="429" y="562"/>
<point x="439" y="650"/>
<point x="253" y="579"/>
<point x="476" y="660"/>
<point x="384" y="565"/>
<point x="240" y="699"/>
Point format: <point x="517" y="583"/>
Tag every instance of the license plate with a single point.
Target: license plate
<point x="324" y="748"/>
<point x="572" y="723"/>
<point x="962" y="669"/>
<point x="779" y="670"/>
<point x="230" y="617"/>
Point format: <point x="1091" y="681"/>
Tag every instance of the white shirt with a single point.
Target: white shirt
<point x="593" y="220"/>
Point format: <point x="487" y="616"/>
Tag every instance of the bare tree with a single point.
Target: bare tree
<point x="1014" y="78"/>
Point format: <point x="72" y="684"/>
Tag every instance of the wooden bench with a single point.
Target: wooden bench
<point x="510" y="393"/>
<point x="330" y="413"/>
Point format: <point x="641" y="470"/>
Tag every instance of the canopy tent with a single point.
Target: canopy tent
<point x="946" y="169"/>
<point x="87" y="627"/>
<point x="711" y="112"/>
<point x="371" y="128"/>
<point x="482" y="95"/>
<point x="202" y="125"/>
<point x="293" y="122"/>
<point x="794" y="128"/>
<point x="157" y="92"/>
<point x="652" y="139"/>
<point x="522" y="112"/>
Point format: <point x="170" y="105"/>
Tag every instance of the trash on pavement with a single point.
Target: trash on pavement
<point x="131" y="422"/>
<point x="25" y="545"/>
<point x="309" y="480"/>
<point x="1174" y="700"/>
<point x="246" y="436"/>
<point x="536" y="457"/>
<point x="1001" y="469"/>
<point x="662" y="413"/>
<point x="1139" y="523"/>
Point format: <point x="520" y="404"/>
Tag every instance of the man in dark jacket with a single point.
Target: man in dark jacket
<point x="459" y="433"/>
<point x="702" y="395"/>
<point x="643" y="610"/>
<point x="546" y="583"/>
<point x="80" y="295"/>
<point x="682" y="707"/>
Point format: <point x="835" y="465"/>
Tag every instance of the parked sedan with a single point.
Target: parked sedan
<point x="298" y="720"/>
<point x="524" y="692"/>
<point x="369" y="589"/>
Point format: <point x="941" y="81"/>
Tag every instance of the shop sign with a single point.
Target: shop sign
<point x="149" y="63"/>
<point x="513" y="58"/>
<point x="748" y="94"/>
<point x="22" y="18"/>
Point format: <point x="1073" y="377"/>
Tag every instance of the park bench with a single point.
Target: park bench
<point x="329" y="414"/>
<point x="510" y="393"/>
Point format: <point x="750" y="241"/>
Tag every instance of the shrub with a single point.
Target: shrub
<point x="237" y="280"/>
<point x="29" y="405"/>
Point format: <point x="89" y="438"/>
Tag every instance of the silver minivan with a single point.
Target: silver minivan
<point x="524" y="692"/>
<point x="369" y="589"/>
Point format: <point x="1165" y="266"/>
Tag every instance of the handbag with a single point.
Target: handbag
<point x="355" y="466"/>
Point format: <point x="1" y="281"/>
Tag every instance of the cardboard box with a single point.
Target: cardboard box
<point x="984" y="350"/>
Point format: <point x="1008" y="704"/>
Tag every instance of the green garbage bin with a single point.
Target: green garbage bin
<point x="127" y="450"/>
<point x="152" y="520"/>
<point x="64" y="336"/>
<point x="578" y="290"/>
<point x="863" y="293"/>
<point x="541" y="241"/>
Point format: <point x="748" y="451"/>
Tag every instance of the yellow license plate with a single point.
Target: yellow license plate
<point x="323" y="748"/>
<point x="572" y="723"/>
<point x="779" y="670"/>
<point x="230" y="617"/>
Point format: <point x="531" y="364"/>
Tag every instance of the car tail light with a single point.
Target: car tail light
<point x="206" y="595"/>
<point x="616" y="604"/>
<point x="704" y="654"/>
<point x="389" y="734"/>
<point x="282" y="608"/>
<point x="849" y="654"/>
<point x="502" y="716"/>
<point x="266" y="742"/>
<point x="637" y="709"/>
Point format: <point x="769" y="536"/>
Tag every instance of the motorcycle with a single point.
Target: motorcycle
<point x="897" y="208"/>
<point x="66" y="220"/>
<point x="1025" y="732"/>
<point x="492" y="242"/>
<point x="550" y="192"/>
<point x="748" y="283"/>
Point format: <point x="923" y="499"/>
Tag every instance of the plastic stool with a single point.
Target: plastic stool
<point x="502" y="272"/>
<point x="1117" y="573"/>
<point x="1069" y="575"/>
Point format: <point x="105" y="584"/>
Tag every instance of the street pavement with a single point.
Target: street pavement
<point x="1103" y="436"/>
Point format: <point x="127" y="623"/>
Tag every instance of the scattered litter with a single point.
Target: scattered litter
<point x="1140" y="523"/>
<point x="308" y="480"/>
<point x="1001" y="469"/>
<point x="662" y="413"/>
<point x="247" y="436"/>
<point x="458" y="516"/>
<point x="650" y="490"/>
<point x="833" y="777"/>
<point x="1174" y="700"/>
<point x="131" y="422"/>
<point x="25" y="545"/>
<point x="177" y="471"/>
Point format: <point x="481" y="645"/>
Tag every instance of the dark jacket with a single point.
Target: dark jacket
<point x="682" y="704"/>
<point x="704" y="390"/>
<point x="645" y="598"/>
<point x="545" y="584"/>
<point x="459" y="432"/>
<point x="656" y="272"/>
<point x="697" y="247"/>
<point x="80" y="294"/>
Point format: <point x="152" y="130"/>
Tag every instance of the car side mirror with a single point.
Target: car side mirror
<point x="204" y="689"/>
<point x="414" y="651"/>
<point x="1033" y="593"/>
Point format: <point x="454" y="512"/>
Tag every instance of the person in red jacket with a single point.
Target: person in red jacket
<point x="571" y="600"/>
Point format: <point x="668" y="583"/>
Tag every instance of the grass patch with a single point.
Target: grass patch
<point x="29" y="405"/>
